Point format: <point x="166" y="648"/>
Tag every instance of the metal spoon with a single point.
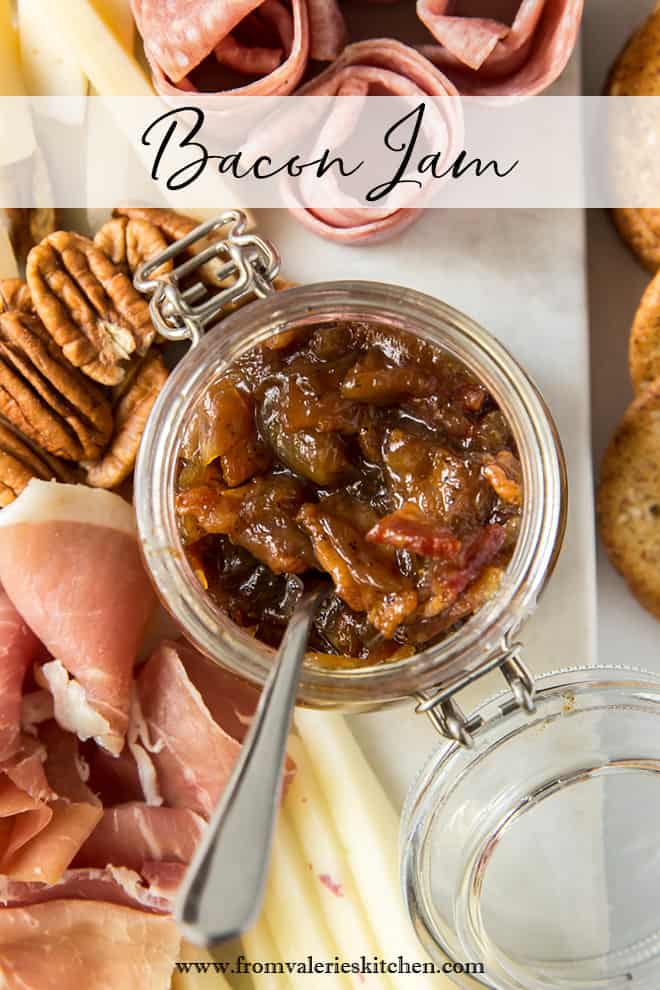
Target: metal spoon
<point x="222" y="892"/>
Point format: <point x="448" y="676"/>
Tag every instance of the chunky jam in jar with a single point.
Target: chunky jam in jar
<point x="359" y="451"/>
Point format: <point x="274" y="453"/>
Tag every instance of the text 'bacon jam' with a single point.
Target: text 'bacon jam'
<point x="363" y="452"/>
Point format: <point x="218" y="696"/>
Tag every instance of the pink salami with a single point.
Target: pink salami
<point x="485" y="57"/>
<point x="385" y="67"/>
<point x="264" y="44"/>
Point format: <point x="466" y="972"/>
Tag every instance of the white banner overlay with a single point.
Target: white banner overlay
<point x="331" y="153"/>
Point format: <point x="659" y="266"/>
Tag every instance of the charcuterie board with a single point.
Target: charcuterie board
<point x="520" y="274"/>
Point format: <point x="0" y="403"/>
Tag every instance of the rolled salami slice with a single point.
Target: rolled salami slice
<point x="381" y="66"/>
<point x="263" y="46"/>
<point x="485" y="57"/>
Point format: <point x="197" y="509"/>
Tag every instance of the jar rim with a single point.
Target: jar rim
<point x="544" y="507"/>
<point x="561" y="694"/>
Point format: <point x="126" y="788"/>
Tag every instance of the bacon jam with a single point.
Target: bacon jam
<point x="359" y="451"/>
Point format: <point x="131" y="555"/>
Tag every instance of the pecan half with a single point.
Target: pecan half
<point x="131" y="415"/>
<point x="173" y="226"/>
<point x="88" y="305"/>
<point x="43" y="396"/>
<point x="128" y="243"/>
<point x="27" y="227"/>
<point x="15" y="294"/>
<point x="20" y="462"/>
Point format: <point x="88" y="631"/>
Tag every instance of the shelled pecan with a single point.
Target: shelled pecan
<point x="173" y="226"/>
<point x="15" y="294"/>
<point x="20" y="462"/>
<point x="28" y="227"/>
<point x="130" y="242"/>
<point x="54" y="405"/>
<point x="130" y="417"/>
<point x="88" y="305"/>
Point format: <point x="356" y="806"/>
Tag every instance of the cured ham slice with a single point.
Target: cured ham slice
<point x="485" y="57"/>
<point x="378" y="67"/>
<point x="265" y="43"/>
<point x="22" y="817"/>
<point x="19" y="648"/>
<point x="66" y="770"/>
<point x="193" y="718"/>
<point x="99" y="946"/>
<point x="135" y="834"/>
<point x="70" y="563"/>
<point x="40" y="833"/>
<point x="192" y="754"/>
<point x="46" y="810"/>
<point x="26" y="770"/>
<point x="230" y="701"/>
<point x="51" y="847"/>
<point x="114" y="778"/>
<point x="116" y="885"/>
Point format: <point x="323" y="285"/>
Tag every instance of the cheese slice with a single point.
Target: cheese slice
<point x="16" y="134"/>
<point x="49" y="66"/>
<point x="111" y="70"/>
<point x="118" y="16"/>
<point x="11" y="81"/>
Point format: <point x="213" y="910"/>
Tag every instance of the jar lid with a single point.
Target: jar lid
<point x="536" y="854"/>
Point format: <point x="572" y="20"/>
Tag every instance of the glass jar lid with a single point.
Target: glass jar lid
<point x="536" y="854"/>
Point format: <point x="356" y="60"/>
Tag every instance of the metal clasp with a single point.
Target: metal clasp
<point x="446" y="714"/>
<point x="237" y="265"/>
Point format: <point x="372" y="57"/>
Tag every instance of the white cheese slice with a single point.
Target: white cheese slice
<point x="11" y="82"/>
<point x="111" y="69"/>
<point x="118" y="16"/>
<point x="50" y="68"/>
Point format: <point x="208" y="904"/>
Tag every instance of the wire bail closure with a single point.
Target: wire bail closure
<point x="448" y="717"/>
<point x="239" y="265"/>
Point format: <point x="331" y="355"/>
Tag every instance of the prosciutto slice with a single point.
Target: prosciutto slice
<point x="267" y="42"/>
<point x="70" y="563"/>
<point x="93" y="845"/>
<point x="46" y="811"/>
<point x="134" y="834"/>
<point x="192" y="754"/>
<point x="97" y="945"/>
<point x="378" y="67"/>
<point x="485" y="57"/>
<point x="19" y="648"/>
<point x="116" y="885"/>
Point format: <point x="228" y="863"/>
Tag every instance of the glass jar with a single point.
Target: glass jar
<point x="536" y="852"/>
<point x="517" y="834"/>
<point x="487" y="640"/>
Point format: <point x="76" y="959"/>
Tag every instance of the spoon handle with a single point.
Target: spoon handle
<point x="221" y="894"/>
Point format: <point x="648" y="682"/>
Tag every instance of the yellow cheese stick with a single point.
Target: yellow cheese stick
<point x="8" y="265"/>
<point x="293" y="913"/>
<point x="329" y="870"/>
<point x="109" y="67"/>
<point x="16" y="134"/>
<point x="259" y="947"/>
<point x="118" y="16"/>
<point x="49" y="66"/>
<point x="11" y="82"/>
<point x="200" y="980"/>
<point x="368" y="828"/>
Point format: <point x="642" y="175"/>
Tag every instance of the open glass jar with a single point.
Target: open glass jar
<point x="485" y="641"/>
<point x="536" y="852"/>
<point x="533" y="849"/>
